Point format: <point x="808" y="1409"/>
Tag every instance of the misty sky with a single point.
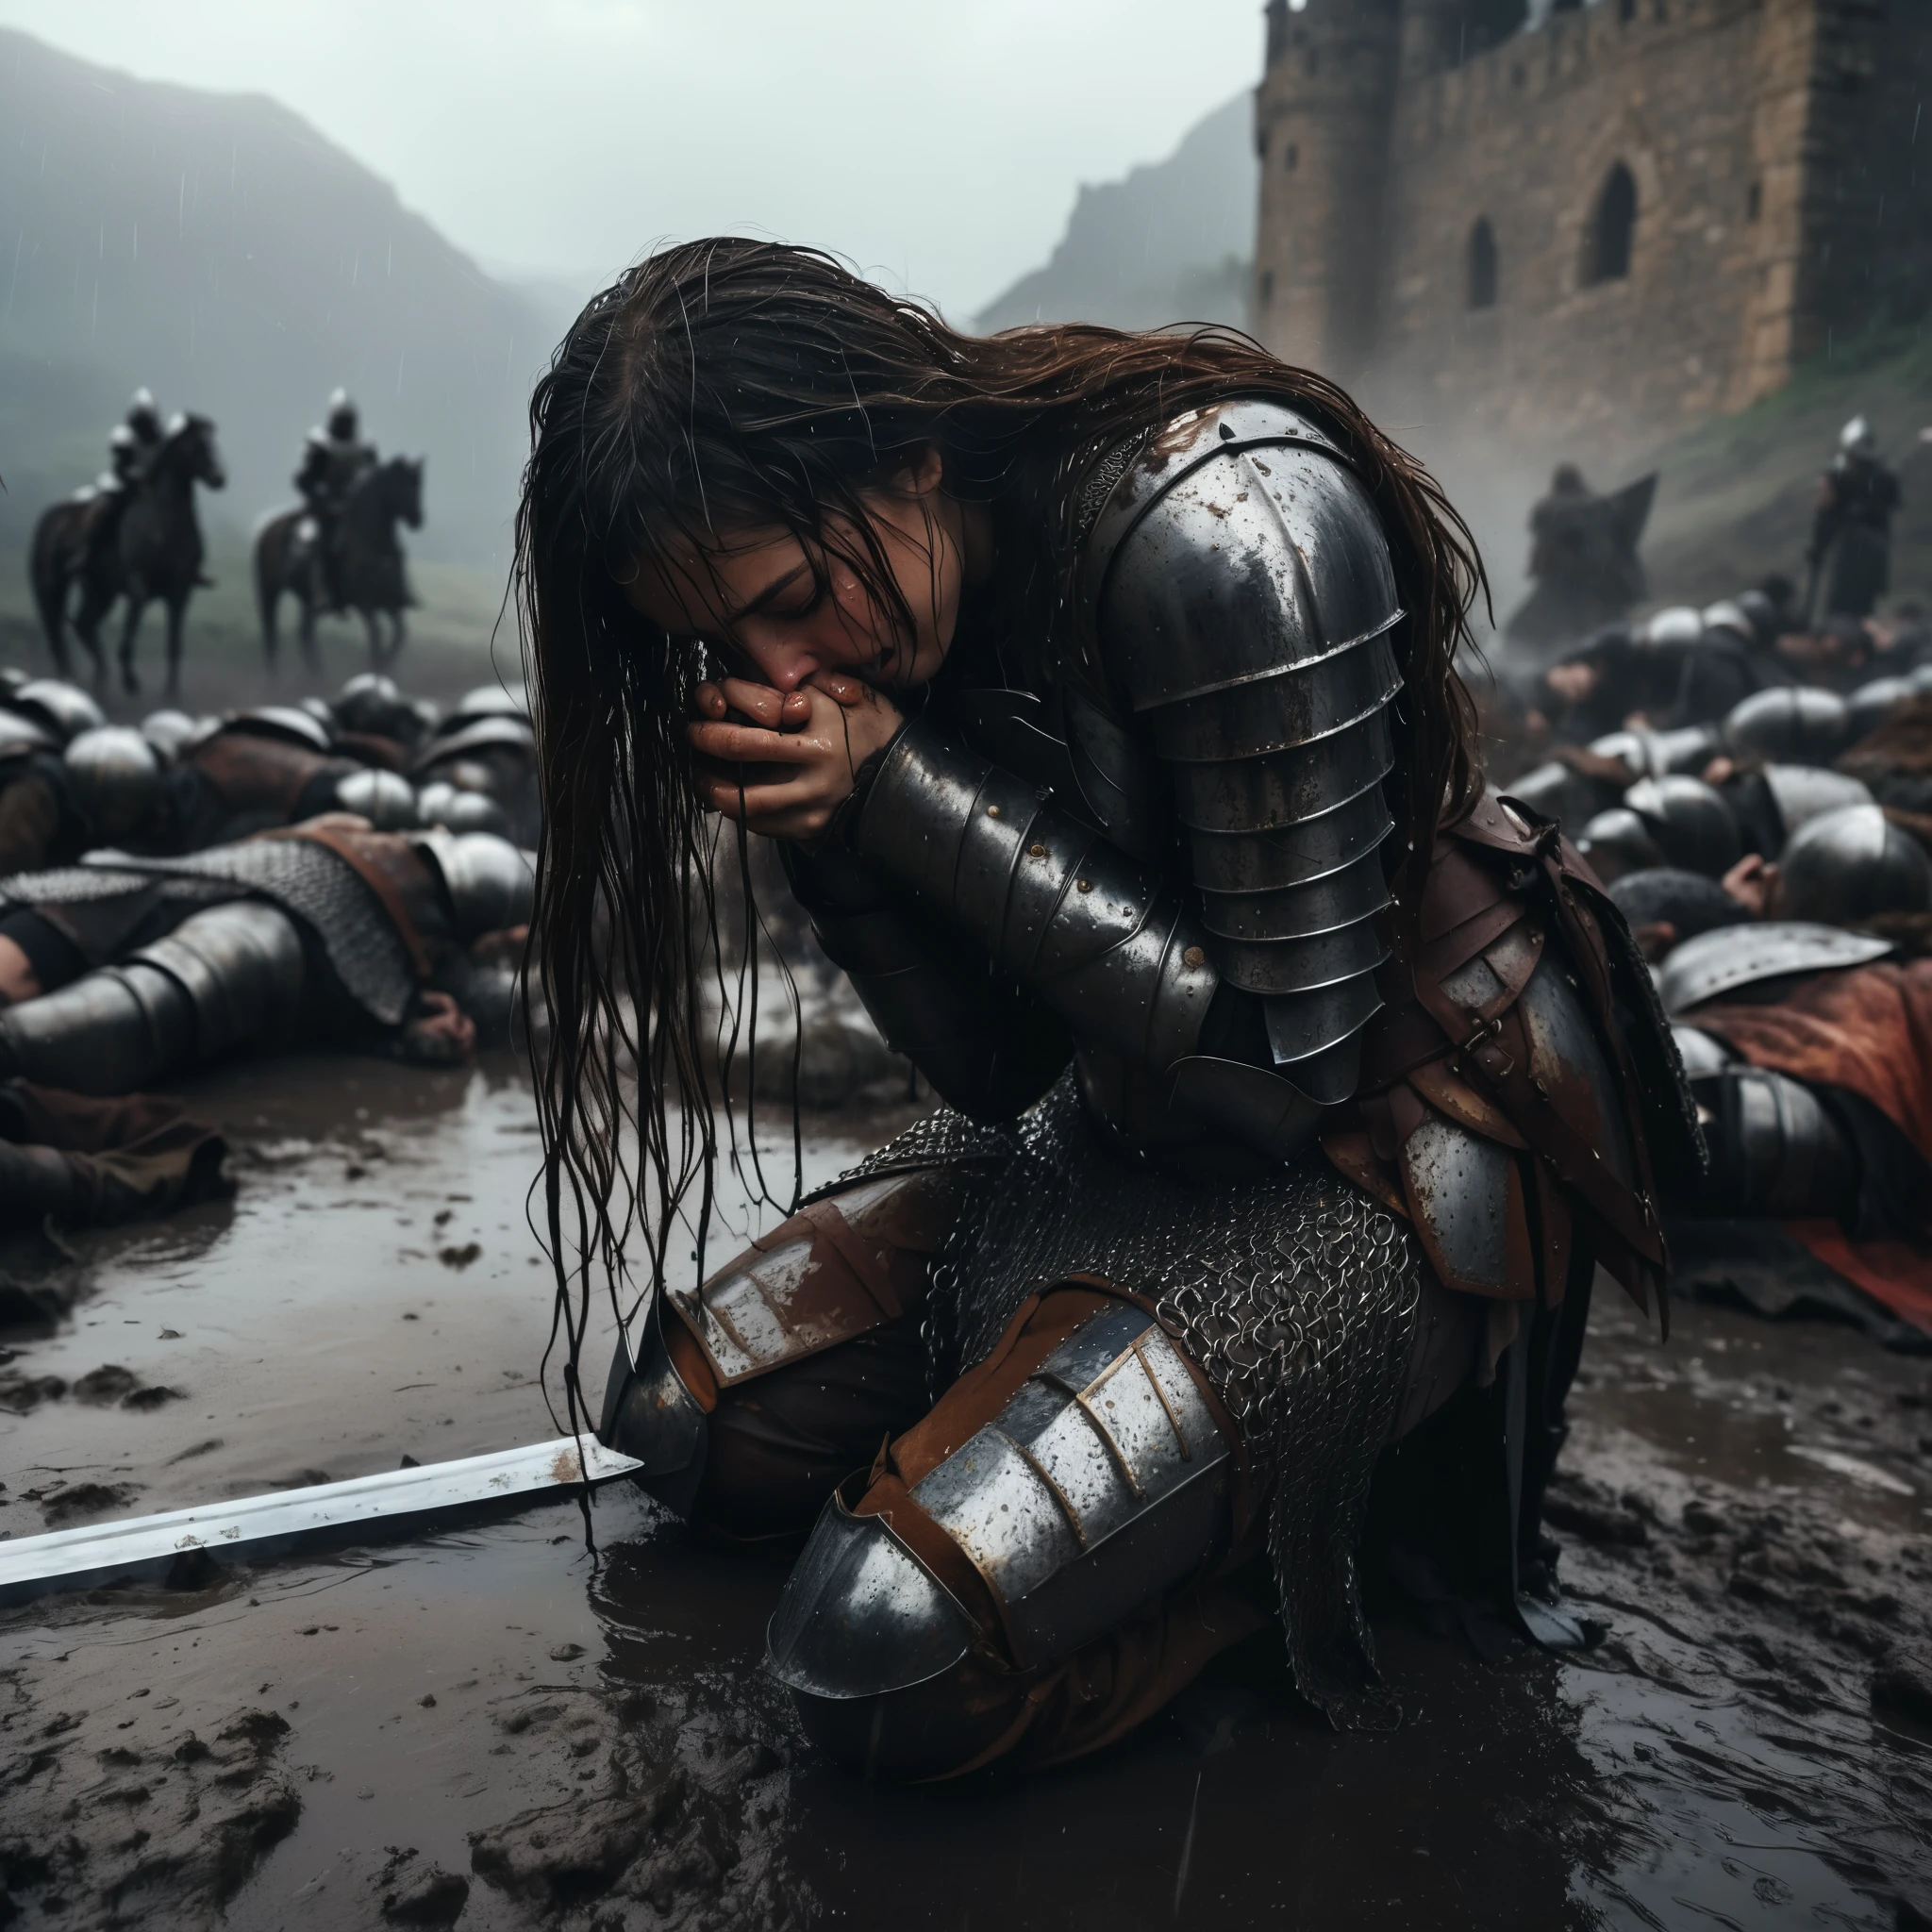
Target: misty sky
<point x="938" y="143"/>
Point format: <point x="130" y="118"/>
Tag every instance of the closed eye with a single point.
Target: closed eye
<point x="799" y="608"/>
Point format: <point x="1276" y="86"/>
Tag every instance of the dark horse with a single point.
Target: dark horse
<point x="155" y="551"/>
<point x="368" y="565"/>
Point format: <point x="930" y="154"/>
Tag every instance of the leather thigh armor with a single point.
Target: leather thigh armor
<point x="837" y="1270"/>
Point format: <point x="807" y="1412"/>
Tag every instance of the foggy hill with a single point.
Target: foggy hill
<point x="219" y="249"/>
<point x="1173" y="241"/>
<point x="1736" y="495"/>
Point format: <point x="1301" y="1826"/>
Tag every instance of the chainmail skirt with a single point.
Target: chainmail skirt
<point x="1295" y="1293"/>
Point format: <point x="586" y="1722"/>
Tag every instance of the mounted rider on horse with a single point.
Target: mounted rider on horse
<point x="334" y="460"/>
<point x="131" y="447"/>
<point x="339" y="551"/>
<point x="132" y="534"/>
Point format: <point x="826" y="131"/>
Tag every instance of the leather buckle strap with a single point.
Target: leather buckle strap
<point x="1485" y="1045"/>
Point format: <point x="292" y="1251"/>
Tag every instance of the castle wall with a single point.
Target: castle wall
<point x="1868" y="176"/>
<point x="1323" y="128"/>
<point x="1526" y="136"/>
<point x="1784" y="204"/>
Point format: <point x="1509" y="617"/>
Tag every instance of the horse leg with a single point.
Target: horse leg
<point x="60" y="595"/>
<point x="269" y="603"/>
<point x="86" y="627"/>
<point x="57" y="596"/>
<point x="271" y="564"/>
<point x="177" y="614"/>
<point x="311" y="595"/>
<point x="130" y="630"/>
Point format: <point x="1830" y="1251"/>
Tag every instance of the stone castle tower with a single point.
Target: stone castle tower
<point x="1553" y="218"/>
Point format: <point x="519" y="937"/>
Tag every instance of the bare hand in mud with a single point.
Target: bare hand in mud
<point x="786" y="761"/>
<point x="1751" y="882"/>
<point x="437" y="1034"/>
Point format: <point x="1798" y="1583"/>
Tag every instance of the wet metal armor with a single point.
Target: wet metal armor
<point x="1080" y="874"/>
<point x="1730" y="958"/>
<point x="1775" y="1148"/>
<point x="1216" y="821"/>
<point x="226" y="977"/>
<point x="1102" y="1483"/>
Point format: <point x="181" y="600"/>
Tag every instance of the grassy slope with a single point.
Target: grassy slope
<point x="1736" y="497"/>
<point x="448" y="651"/>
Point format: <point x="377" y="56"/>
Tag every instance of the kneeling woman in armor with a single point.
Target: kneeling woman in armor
<point x="1098" y="688"/>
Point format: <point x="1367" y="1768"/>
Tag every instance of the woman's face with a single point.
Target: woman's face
<point x="784" y="611"/>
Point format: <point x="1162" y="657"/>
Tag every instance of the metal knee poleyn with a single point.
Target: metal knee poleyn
<point x="839" y="1269"/>
<point x="1103" y="1482"/>
<point x="846" y="1266"/>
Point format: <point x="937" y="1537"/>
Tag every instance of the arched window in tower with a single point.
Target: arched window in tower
<point x="1610" y="230"/>
<point x="1482" y="265"/>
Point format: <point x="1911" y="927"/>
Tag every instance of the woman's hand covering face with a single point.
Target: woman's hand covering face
<point x="788" y="768"/>
<point x="818" y="641"/>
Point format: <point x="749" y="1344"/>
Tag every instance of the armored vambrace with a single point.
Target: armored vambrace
<point x="1245" y="604"/>
<point x="989" y="1046"/>
<point x="1055" y="906"/>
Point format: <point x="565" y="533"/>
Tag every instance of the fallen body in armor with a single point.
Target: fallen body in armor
<point x="1805" y="1032"/>
<point x="1102" y="702"/>
<point x="71" y="783"/>
<point x="126" y="972"/>
<point x="1707" y="797"/>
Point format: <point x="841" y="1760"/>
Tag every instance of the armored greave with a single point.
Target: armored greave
<point x="227" y="976"/>
<point x="919" y="1624"/>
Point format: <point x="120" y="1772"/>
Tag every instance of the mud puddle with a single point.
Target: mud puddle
<point x="373" y="1290"/>
<point x="1745" y="1520"/>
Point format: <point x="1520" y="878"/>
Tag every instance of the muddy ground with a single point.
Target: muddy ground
<point x="492" y="1730"/>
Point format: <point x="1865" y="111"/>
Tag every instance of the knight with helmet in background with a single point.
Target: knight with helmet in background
<point x="334" y="460"/>
<point x="131" y="446"/>
<point x="1851" y="530"/>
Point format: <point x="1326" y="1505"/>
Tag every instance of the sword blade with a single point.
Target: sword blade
<point x="185" y="1540"/>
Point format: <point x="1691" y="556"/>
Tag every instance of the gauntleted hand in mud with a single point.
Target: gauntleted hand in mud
<point x="784" y="763"/>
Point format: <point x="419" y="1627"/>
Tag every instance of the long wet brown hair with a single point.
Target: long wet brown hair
<point x="730" y="385"/>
